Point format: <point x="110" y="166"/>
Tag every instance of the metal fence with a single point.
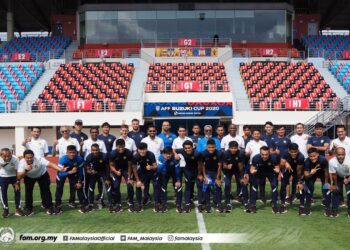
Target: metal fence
<point x="112" y="53"/>
<point x="38" y="57"/>
<point x="272" y="53"/>
<point x="173" y="43"/>
<point x="328" y="54"/>
<point x="280" y="104"/>
<point x="55" y="106"/>
<point x="108" y="105"/>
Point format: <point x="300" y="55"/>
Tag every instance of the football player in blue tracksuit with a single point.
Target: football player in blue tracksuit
<point x="144" y="167"/>
<point x="264" y="165"/>
<point x="192" y="172"/>
<point x="291" y="166"/>
<point x="315" y="166"/>
<point x="281" y="142"/>
<point x="120" y="167"/>
<point x="76" y="174"/>
<point x="233" y="165"/>
<point x="169" y="167"/>
<point x="96" y="167"/>
<point x="212" y="167"/>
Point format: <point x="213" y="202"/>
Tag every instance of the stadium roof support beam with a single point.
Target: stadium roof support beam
<point x="35" y="17"/>
<point x="10" y="20"/>
<point x="333" y="11"/>
<point x="41" y="14"/>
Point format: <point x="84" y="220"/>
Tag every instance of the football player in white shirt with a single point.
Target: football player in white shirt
<point x="342" y="140"/>
<point x="178" y="141"/>
<point x="36" y="144"/>
<point x="300" y="138"/>
<point x="154" y="143"/>
<point x="232" y="136"/>
<point x="35" y="170"/>
<point x="339" y="170"/>
<point x="61" y="144"/>
<point x="129" y="142"/>
<point x="8" y="172"/>
<point x="253" y="147"/>
<point x="86" y="150"/>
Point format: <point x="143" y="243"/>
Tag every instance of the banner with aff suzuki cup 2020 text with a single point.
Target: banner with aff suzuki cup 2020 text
<point x="179" y="109"/>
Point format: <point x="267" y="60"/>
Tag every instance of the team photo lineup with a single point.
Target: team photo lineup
<point x="210" y="173"/>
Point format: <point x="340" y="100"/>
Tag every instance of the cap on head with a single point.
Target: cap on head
<point x="78" y="122"/>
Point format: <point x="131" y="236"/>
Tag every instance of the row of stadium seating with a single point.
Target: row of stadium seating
<point x="265" y="81"/>
<point x="39" y="48"/>
<point x="331" y="47"/>
<point x="102" y="83"/>
<point x="341" y="71"/>
<point x="15" y="82"/>
<point x="165" y="76"/>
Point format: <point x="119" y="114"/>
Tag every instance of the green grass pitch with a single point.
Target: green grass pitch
<point x="264" y="229"/>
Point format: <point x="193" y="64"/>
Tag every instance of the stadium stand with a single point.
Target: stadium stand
<point x="164" y="77"/>
<point x="106" y="85"/>
<point x="269" y="84"/>
<point x="341" y="71"/>
<point x="15" y="82"/>
<point x="37" y="48"/>
<point x="330" y="47"/>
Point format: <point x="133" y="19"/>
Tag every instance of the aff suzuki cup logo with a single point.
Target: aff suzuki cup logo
<point x="7" y="235"/>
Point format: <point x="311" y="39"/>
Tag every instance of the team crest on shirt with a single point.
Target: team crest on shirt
<point x="322" y="141"/>
<point x="346" y="168"/>
<point x="269" y="163"/>
<point x="214" y="158"/>
<point x="81" y="138"/>
<point x="110" y="140"/>
<point x="295" y="161"/>
<point x="39" y="143"/>
<point x="36" y="166"/>
<point x="140" y="136"/>
<point x="124" y="157"/>
<point x="192" y="157"/>
<point x="170" y="138"/>
<point x="101" y="161"/>
<point x="284" y="142"/>
<point x="236" y="158"/>
<point x="75" y="164"/>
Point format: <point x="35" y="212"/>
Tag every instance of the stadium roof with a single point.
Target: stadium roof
<point x="34" y="15"/>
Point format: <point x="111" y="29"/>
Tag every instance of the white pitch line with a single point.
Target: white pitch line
<point x="202" y="228"/>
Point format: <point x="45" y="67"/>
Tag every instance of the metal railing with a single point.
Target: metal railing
<point x="327" y="54"/>
<point x="82" y="54"/>
<point x="268" y="53"/>
<point x="37" y="57"/>
<point x="173" y="43"/>
<point x="279" y="104"/>
<point x="172" y="86"/>
<point x="56" y="106"/>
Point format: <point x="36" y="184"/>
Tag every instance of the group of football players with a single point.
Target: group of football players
<point x="210" y="163"/>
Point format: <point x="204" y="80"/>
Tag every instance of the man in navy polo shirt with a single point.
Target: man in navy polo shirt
<point x="269" y="137"/>
<point x="120" y="167"/>
<point x="136" y="134"/>
<point x="145" y="170"/>
<point x="264" y="165"/>
<point x="291" y="165"/>
<point x="166" y="134"/>
<point x="193" y="174"/>
<point x="319" y="141"/>
<point x="315" y="166"/>
<point x="233" y="165"/>
<point x="281" y="142"/>
<point x="106" y="137"/>
<point x="212" y="167"/>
